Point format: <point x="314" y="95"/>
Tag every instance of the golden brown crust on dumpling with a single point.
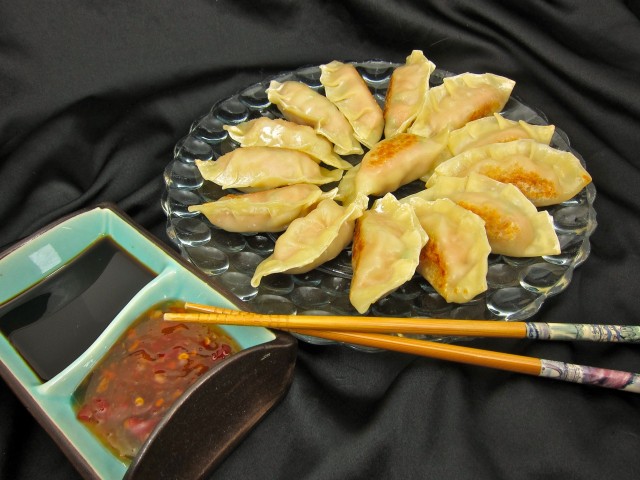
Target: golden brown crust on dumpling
<point x="533" y="185"/>
<point x="387" y="150"/>
<point x="499" y="227"/>
<point x="545" y="175"/>
<point x="436" y="268"/>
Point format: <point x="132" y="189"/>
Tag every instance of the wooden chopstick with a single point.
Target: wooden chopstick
<point x="569" y="372"/>
<point x="422" y="326"/>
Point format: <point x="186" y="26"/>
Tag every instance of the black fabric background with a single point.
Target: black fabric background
<point x="93" y="96"/>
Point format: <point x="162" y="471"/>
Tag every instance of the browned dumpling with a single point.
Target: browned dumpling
<point x="461" y="99"/>
<point x="496" y="129"/>
<point x="513" y="224"/>
<point x="386" y="251"/>
<point x="392" y="163"/>
<point x="545" y="175"/>
<point x="454" y="260"/>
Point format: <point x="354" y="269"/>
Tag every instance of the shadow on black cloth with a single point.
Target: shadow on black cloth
<point x="94" y="95"/>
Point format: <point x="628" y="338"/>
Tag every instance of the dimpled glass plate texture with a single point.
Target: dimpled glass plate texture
<point x="517" y="287"/>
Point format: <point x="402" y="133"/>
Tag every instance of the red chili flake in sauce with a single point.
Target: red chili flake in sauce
<point x="150" y="366"/>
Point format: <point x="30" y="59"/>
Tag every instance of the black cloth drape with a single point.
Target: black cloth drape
<point x="94" y="95"/>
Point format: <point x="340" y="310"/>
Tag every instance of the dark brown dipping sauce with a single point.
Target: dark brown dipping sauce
<point x="53" y="322"/>
<point x="144" y="373"/>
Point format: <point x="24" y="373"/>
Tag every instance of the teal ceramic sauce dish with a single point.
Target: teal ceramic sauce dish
<point x="69" y="292"/>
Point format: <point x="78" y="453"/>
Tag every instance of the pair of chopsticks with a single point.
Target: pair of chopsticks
<point x="381" y="332"/>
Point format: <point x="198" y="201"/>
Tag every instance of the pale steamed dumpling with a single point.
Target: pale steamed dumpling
<point x="262" y="168"/>
<point x="347" y="90"/>
<point x="312" y="240"/>
<point x="279" y="133"/>
<point x="301" y="104"/>
<point x="406" y="92"/>
<point x="265" y="211"/>
<point x="386" y="251"/>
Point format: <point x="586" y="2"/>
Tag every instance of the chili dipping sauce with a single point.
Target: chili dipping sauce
<point x="142" y="375"/>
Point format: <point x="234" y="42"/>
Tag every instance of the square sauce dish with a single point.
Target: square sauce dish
<point x="81" y="332"/>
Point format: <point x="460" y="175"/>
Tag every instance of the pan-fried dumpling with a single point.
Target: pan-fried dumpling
<point x="263" y="168"/>
<point x="545" y="175"/>
<point x="386" y="250"/>
<point x="279" y="133"/>
<point x="514" y="226"/>
<point x="496" y="129"/>
<point x="461" y="99"/>
<point x="265" y="211"/>
<point x="454" y="260"/>
<point x="393" y="162"/>
<point x="407" y="90"/>
<point x="301" y="104"/>
<point x="312" y="240"/>
<point x="347" y="90"/>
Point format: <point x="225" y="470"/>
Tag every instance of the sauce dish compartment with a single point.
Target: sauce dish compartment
<point x="206" y="422"/>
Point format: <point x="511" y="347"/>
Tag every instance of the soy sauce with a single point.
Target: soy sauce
<point x="54" y="321"/>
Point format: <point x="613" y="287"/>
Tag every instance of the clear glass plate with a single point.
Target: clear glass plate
<point x="517" y="286"/>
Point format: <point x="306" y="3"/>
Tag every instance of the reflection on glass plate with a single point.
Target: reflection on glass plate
<point x="517" y="286"/>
